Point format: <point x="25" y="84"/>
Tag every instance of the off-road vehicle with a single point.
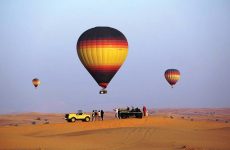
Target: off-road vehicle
<point x="72" y="117"/>
<point x="126" y="113"/>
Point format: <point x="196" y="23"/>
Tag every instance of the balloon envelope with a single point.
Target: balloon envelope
<point x="102" y="51"/>
<point x="36" y="82"/>
<point x="172" y="76"/>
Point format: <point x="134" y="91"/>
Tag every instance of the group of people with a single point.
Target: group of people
<point x="97" y="115"/>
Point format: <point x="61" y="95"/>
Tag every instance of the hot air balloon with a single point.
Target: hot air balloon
<point x="172" y="76"/>
<point x="102" y="51"/>
<point x="36" y="82"/>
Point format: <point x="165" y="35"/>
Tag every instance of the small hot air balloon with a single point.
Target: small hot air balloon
<point x="36" y="82"/>
<point x="102" y="51"/>
<point x="172" y="76"/>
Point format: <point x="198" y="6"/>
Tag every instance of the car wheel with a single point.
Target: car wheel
<point x="73" y="119"/>
<point x="87" y="119"/>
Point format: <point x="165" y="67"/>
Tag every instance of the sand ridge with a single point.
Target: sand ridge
<point x="154" y="132"/>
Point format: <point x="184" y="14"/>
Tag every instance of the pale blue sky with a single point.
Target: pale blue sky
<point x="38" y="39"/>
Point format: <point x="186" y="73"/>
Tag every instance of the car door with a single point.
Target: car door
<point x="80" y="116"/>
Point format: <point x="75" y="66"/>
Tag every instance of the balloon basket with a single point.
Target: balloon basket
<point x="103" y="91"/>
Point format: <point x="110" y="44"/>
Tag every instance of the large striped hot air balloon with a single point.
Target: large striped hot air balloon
<point x="172" y="76"/>
<point x="36" y="82"/>
<point x="102" y="51"/>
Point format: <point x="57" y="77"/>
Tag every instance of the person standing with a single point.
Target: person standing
<point x="119" y="114"/>
<point x="144" y="110"/>
<point x="93" y="115"/>
<point x="99" y="114"/>
<point x="102" y="115"/>
<point x="147" y="113"/>
<point x="116" y="112"/>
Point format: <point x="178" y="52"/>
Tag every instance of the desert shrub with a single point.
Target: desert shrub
<point x="40" y="148"/>
<point x="33" y="122"/>
<point x="171" y="117"/>
<point x="226" y="121"/>
<point x="192" y="119"/>
<point x="182" y="117"/>
<point x="184" y="146"/>
<point x="217" y="119"/>
<point x="38" y="118"/>
<point x="46" y="122"/>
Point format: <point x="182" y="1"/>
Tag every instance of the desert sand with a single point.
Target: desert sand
<point x="168" y="129"/>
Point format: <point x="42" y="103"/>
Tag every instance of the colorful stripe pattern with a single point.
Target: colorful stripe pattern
<point x="102" y="51"/>
<point x="172" y="76"/>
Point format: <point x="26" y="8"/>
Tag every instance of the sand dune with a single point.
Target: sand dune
<point x="152" y="133"/>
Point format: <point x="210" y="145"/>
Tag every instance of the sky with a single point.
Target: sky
<point x="38" y="39"/>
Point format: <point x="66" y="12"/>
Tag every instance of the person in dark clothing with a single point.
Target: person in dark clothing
<point x="119" y="115"/>
<point x="95" y="115"/>
<point x="144" y="110"/>
<point x="102" y="115"/>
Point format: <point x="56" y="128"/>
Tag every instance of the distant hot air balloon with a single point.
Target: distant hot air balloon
<point x="172" y="76"/>
<point x="36" y="82"/>
<point x="102" y="51"/>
